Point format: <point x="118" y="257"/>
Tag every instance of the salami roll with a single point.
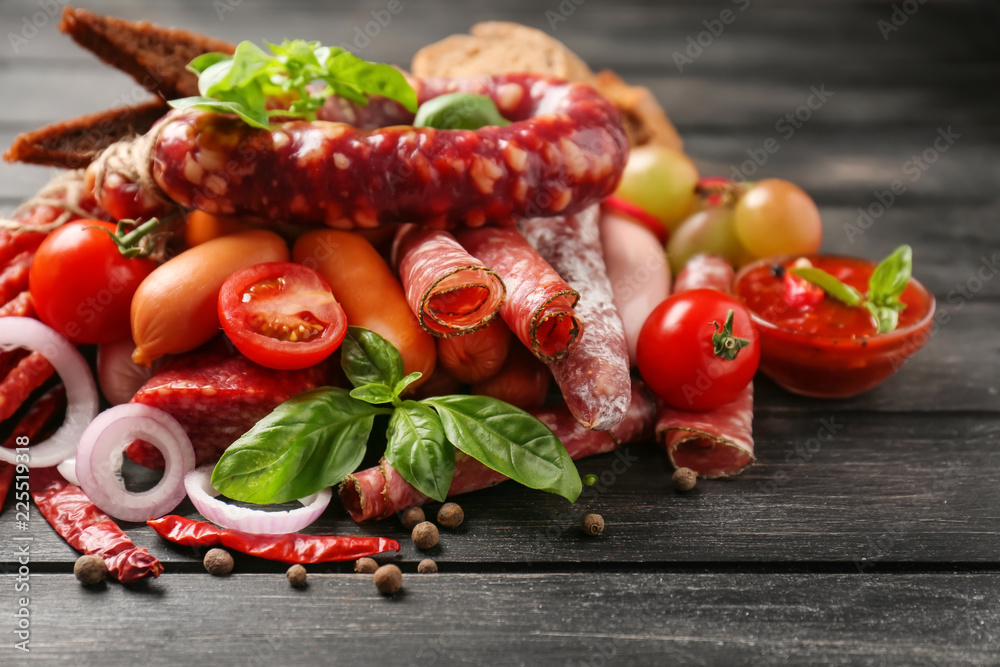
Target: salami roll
<point x="595" y="379"/>
<point x="539" y="304"/>
<point x="719" y="442"/>
<point x="449" y="290"/>
<point x="380" y="492"/>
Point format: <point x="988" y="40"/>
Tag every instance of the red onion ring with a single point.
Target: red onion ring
<point x="100" y="454"/>
<point x="81" y="392"/>
<point x="201" y="492"/>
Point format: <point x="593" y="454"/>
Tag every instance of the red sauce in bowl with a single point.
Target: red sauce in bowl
<point x="829" y="349"/>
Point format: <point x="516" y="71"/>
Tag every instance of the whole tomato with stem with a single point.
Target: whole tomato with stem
<point x="698" y="349"/>
<point x="83" y="277"/>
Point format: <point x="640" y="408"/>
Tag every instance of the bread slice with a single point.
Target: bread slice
<point x="497" y="47"/>
<point x="75" y="143"/>
<point x="155" y="57"/>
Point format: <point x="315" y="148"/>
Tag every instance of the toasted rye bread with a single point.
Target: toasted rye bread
<point x="155" y="57"/>
<point x="496" y="47"/>
<point x="75" y="143"/>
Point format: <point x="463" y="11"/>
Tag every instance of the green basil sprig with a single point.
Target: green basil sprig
<point x="246" y="81"/>
<point x="459" y="111"/>
<point x="315" y="439"/>
<point x="885" y="286"/>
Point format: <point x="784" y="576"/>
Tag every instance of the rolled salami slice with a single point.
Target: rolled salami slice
<point x="719" y="442"/>
<point x="449" y="290"/>
<point x="595" y="379"/>
<point x="379" y="492"/>
<point x="539" y="304"/>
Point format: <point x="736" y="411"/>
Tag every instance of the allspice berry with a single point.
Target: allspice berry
<point x="593" y="524"/>
<point x="451" y="515"/>
<point x="218" y="562"/>
<point x="296" y="576"/>
<point x="388" y="579"/>
<point x="89" y="570"/>
<point x="365" y="565"/>
<point x="427" y="566"/>
<point x="412" y="516"/>
<point x="425" y="535"/>
<point x="684" y="479"/>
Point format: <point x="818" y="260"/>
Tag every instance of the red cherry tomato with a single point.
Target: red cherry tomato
<point x="677" y="356"/>
<point x="82" y="286"/>
<point x="281" y="315"/>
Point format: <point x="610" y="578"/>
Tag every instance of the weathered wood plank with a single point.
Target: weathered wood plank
<point x="635" y="618"/>
<point x="830" y="486"/>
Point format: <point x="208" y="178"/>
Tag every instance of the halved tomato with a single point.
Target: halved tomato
<point x="281" y="315"/>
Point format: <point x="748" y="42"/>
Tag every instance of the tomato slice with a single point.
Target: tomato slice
<point x="281" y="315"/>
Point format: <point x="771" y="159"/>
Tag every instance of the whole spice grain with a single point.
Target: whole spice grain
<point x="388" y="579"/>
<point x="296" y="576"/>
<point x="593" y="524"/>
<point x="218" y="562"/>
<point x="412" y="516"/>
<point x="425" y="535"/>
<point x="684" y="479"/>
<point x="365" y="566"/>
<point x="427" y="566"/>
<point x="89" y="570"/>
<point x="451" y="515"/>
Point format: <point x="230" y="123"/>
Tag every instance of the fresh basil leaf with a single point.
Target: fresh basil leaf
<point x="891" y="276"/>
<point x="297" y="50"/>
<point x="375" y="393"/>
<point x="371" y="78"/>
<point x="510" y="441"/>
<point x="419" y="451"/>
<point x="249" y="63"/>
<point x="830" y="285"/>
<point x="886" y="317"/>
<point x="213" y="77"/>
<point x="367" y="358"/>
<point x="459" y="111"/>
<point x="206" y="60"/>
<point x="406" y="382"/>
<point x="250" y="117"/>
<point x="308" y="443"/>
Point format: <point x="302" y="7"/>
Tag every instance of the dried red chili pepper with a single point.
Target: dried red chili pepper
<point x="68" y="509"/>
<point x="31" y="426"/>
<point x="290" y="548"/>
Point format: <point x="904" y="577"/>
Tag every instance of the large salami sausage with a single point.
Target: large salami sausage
<point x="217" y="394"/>
<point x="379" y="492"/>
<point x="564" y="151"/>
<point x="719" y="442"/>
<point x="595" y="378"/>
<point x="449" y="290"/>
<point x="539" y="305"/>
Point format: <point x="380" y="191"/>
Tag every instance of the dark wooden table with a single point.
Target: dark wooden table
<point x="878" y="546"/>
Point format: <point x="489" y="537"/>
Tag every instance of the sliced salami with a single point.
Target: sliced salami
<point x="595" y="379"/>
<point x="217" y="394"/>
<point x="380" y="492"/>
<point x="539" y="304"/>
<point x="449" y="290"/>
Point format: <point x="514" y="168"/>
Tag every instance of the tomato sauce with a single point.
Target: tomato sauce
<point x="830" y="349"/>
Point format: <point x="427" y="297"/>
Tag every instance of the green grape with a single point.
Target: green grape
<point x="709" y="231"/>
<point x="775" y="217"/>
<point x="662" y="181"/>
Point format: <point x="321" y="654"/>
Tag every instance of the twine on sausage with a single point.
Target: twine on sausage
<point x="65" y="191"/>
<point x="131" y="159"/>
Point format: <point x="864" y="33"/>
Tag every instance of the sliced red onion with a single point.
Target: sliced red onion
<point x="68" y="470"/>
<point x="201" y="492"/>
<point x="100" y="454"/>
<point x="81" y="392"/>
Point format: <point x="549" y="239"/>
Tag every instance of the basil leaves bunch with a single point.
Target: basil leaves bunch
<point x="244" y="83"/>
<point x="315" y="439"/>
<point x="885" y="286"/>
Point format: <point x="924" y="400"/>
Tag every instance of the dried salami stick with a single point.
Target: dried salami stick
<point x="31" y="426"/>
<point x="379" y="492"/>
<point x="449" y="290"/>
<point x="29" y="374"/>
<point x="539" y="304"/>
<point x="719" y="442"/>
<point x="595" y="379"/>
